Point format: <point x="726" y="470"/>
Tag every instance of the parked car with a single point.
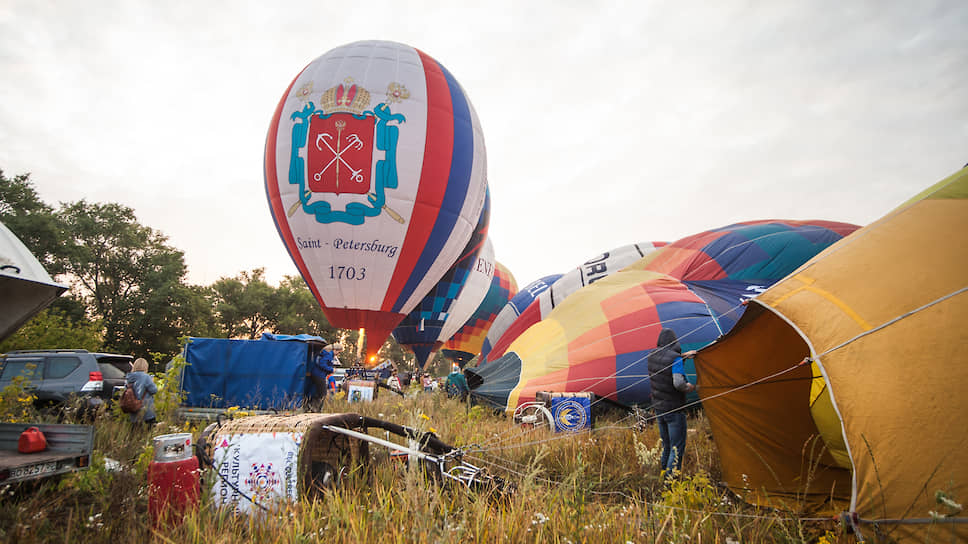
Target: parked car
<point x="56" y="376"/>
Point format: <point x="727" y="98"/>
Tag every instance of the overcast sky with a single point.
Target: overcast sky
<point x="606" y="123"/>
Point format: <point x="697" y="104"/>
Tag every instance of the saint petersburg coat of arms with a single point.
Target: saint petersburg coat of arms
<point x="333" y="152"/>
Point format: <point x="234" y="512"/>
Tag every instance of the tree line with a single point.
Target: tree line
<point x="127" y="285"/>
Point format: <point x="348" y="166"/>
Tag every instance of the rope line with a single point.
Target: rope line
<point x="498" y="447"/>
<point x="653" y="505"/>
<point x="648" y="504"/>
<point x="767" y="379"/>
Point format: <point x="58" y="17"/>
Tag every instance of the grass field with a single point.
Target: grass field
<point x="598" y="486"/>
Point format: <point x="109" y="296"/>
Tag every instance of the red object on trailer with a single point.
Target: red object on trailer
<point x="31" y="441"/>
<point x="173" y="478"/>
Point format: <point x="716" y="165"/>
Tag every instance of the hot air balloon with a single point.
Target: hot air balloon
<point x="375" y="177"/>
<point x="599" y="338"/>
<point x="510" y="312"/>
<point x="587" y="273"/>
<point x="466" y="343"/>
<point x="472" y="294"/>
<point x="880" y="316"/>
<point x="421" y="330"/>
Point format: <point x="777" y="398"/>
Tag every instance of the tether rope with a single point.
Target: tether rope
<point x="652" y="505"/>
<point x="554" y="482"/>
<point x="759" y="381"/>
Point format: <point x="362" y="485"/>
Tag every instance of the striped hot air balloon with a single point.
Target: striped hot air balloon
<point x="421" y="331"/>
<point x="466" y="343"/>
<point x="375" y="177"/>
<point x="599" y="338"/>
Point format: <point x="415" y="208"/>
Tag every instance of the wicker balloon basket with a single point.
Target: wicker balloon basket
<point x="261" y="461"/>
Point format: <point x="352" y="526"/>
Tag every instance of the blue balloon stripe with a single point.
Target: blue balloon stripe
<point x="458" y="184"/>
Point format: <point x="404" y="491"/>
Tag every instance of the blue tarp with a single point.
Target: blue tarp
<point x="293" y="337"/>
<point x="254" y="374"/>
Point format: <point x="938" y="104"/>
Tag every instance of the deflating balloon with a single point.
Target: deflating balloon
<point x="881" y="315"/>
<point x="375" y="177"/>
<point x="587" y="273"/>
<point x="600" y="337"/>
<point x="513" y="309"/>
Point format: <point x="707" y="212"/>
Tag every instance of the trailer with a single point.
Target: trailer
<point x="258" y="376"/>
<point x="68" y="449"/>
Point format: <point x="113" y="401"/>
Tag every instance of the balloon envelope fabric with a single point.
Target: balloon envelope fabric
<point x="466" y="343"/>
<point x="375" y="177"/>
<point x="589" y="272"/>
<point x="422" y="328"/>
<point x="510" y="312"/>
<point x="599" y="338"/>
<point x="882" y="316"/>
<point x="473" y="292"/>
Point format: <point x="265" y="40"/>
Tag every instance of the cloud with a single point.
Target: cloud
<point x="605" y="123"/>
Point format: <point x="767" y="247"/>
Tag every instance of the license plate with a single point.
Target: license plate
<point x="33" y="470"/>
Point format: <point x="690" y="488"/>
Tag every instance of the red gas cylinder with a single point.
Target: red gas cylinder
<point x="173" y="477"/>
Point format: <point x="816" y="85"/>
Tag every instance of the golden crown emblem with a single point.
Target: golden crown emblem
<point x="345" y="97"/>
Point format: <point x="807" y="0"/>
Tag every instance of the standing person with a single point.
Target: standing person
<point x="427" y="382"/>
<point x="322" y="367"/>
<point x="356" y="371"/>
<point x="456" y="384"/>
<point x="393" y="382"/>
<point x="145" y="389"/>
<point x="669" y="387"/>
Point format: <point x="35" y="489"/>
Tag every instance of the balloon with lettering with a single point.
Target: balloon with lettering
<point x="472" y="294"/>
<point x="599" y="338"/>
<point x="375" y="177"/>
<point x="589" y="272"/>
<point x="513" y="309"/>
<point x="421" y="330"/>
<point x="466" y="343"/>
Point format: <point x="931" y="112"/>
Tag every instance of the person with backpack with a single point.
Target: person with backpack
<point x="144" y="389"/>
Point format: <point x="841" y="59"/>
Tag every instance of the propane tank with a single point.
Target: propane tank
<point x="173" y="477"/>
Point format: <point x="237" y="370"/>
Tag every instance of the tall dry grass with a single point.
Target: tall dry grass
<point x="598" y="486"/>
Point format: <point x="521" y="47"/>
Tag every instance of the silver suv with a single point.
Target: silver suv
<point x="58" y="375"/>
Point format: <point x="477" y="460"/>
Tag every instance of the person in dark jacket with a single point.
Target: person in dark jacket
<point x="669" y="387"/>
<point x="456" y="385"/>
<point x="322" y="367"/>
